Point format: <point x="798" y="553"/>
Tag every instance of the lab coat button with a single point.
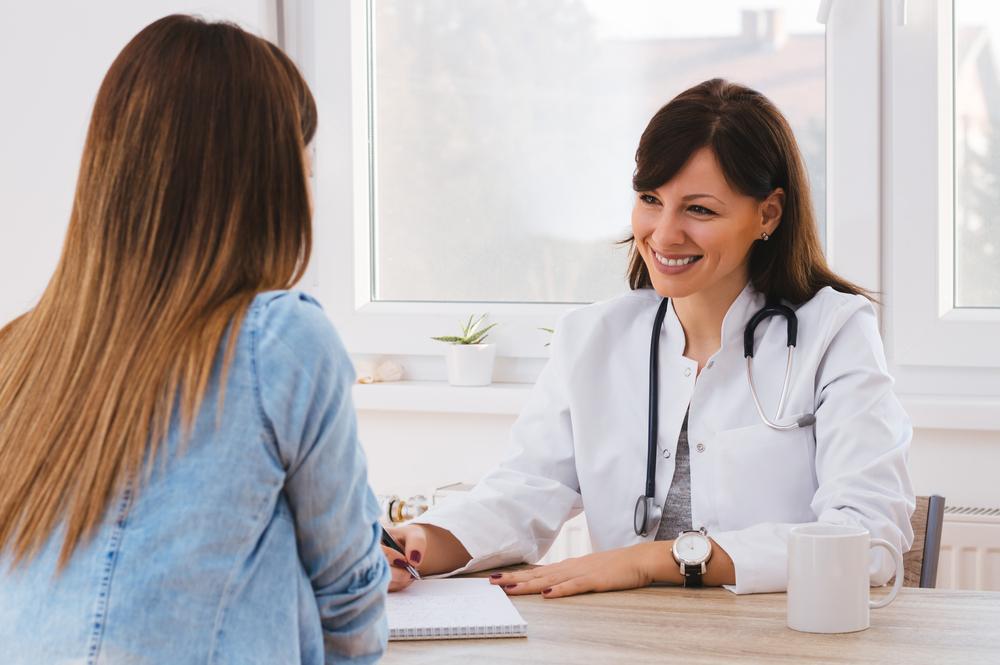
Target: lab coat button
<point x="666" y="454"/>
<point x="700" y="447"/>
<point x="687" y="371"/>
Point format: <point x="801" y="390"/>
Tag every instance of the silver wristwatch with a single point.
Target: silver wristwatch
<point x="692" y="550"/>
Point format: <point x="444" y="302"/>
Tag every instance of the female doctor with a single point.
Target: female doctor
<point x="689" y="471"/>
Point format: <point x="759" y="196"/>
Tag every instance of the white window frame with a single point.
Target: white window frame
<point x="946" y="360"/>
<point x="853" y="237"/>
<point x="332" y="42"/>
<point x="344" y="284"/>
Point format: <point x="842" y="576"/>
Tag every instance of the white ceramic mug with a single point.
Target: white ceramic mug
<point x="828" y="579"/>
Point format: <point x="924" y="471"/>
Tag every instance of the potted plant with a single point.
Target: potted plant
<point x="469" y="357"/>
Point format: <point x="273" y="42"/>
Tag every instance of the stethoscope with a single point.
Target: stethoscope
<point x="647" y="512"/>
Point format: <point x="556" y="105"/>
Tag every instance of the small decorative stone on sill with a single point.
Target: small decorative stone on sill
<point x="384" y="372"/>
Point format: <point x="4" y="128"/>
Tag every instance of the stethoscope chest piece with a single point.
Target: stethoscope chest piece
<point x="647" y="515"/>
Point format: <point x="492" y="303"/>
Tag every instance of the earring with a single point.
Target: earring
<point x="764" y="236"/>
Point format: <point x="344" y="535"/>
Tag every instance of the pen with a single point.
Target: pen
<point x="391" y="543"/>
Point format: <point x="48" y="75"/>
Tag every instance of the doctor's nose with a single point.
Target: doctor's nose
<point x="669" y="230"/>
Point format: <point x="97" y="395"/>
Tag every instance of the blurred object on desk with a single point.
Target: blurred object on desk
<point x="395" y="510"/>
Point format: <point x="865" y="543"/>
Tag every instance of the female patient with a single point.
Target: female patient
<point x="180" y="479"/>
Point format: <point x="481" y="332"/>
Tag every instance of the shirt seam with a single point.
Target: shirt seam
<point x="291" y="463"/>
<point x="110" y="565"/>
<point x="254" y="371"/>
<point x="227" y="590"/>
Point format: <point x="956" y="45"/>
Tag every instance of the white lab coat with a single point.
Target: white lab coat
<point x="580" y="442"/>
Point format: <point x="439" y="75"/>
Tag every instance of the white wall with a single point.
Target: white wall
<point x="412" y="453"/>
<point x="53" y="57"/>
<point x="963" y="466"/>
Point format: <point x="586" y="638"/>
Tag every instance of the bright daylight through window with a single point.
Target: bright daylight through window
<point x="503" y="147"/>
<point x="977" y="153"/>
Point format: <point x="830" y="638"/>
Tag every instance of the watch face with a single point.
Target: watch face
<point x="692" y="547"/>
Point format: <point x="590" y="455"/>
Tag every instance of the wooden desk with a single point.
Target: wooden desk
<point x="676" y="625"/>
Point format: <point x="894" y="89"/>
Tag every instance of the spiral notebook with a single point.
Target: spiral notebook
<point x="445" y="609"/>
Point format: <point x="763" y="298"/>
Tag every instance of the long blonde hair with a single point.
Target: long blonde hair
<point x="192" y="197"/>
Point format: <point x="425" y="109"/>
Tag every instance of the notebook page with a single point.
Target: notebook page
<point x="452" y="608"/>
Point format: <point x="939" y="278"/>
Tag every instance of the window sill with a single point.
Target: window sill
<point x="440" y="397"/>
<point x="926" y="411"/>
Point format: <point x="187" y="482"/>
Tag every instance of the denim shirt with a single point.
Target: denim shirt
<point x="259" y="543"/>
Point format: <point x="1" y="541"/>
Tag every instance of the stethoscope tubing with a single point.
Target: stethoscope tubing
<point x="654" y="398"/>
<point x="784" y="394"/>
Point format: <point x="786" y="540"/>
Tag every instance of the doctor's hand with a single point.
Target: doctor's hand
<point x="430" y="549"/>
<point x="613" y="570"/>
<point x="413" y="542"/>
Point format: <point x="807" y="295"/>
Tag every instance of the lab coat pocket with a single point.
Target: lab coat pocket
<point x="764" y="475"/>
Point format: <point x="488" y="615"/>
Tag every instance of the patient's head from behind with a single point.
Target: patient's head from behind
<point x="722" y="197"/>
<point x="194" y="159"/>
<point x="192" y="197"/>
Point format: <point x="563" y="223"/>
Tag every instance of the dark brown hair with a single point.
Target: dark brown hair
<point x="756" y="149"/>
<point x="192" y="197"/>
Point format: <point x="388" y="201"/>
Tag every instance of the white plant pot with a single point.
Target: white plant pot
<point x="470" y="364"/>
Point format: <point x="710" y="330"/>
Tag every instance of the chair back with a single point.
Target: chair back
<point x="921" y="562"/>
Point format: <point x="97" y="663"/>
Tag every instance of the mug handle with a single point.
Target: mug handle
<point x="878" y="542"/>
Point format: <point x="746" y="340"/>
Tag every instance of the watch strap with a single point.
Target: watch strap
<point x="692" y="575"/>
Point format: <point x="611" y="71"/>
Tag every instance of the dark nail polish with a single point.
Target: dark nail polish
<point x="415" y="556"/>
<point x="399" y="563"/>
<point x="496" y="576"/>
<point x="509" y="586"/>
<point x="546" y="590"/>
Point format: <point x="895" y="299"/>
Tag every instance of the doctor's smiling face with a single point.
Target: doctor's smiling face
<point x="722" y="199"/>
<point x="695" y="231"/>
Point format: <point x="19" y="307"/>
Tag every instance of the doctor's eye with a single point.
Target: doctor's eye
<point x="648" y="199"/>
<point x="701" y="210"/>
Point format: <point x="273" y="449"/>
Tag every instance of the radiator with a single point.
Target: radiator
<point x="970" y="549"/>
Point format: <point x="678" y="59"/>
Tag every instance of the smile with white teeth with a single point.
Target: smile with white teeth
<point x="675" y="262"/>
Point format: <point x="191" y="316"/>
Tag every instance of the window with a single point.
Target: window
<point x="977" y="153"/>
<point x="943" y="315"/>
<point x="504" y="132"/>
<point x="476" y="155"/>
